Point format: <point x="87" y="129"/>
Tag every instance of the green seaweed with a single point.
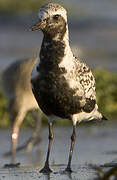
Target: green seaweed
<point x="106" y="88"/>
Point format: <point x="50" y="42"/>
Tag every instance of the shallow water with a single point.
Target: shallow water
<point x="94" y="142"/>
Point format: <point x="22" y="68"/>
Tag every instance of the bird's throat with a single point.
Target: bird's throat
<point x="52" y="51"/>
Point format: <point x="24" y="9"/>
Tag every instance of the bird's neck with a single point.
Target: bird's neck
<point x="53" y="49"/>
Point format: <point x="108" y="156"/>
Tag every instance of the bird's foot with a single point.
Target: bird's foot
<point x="45" y="170"/>
<point x="12" y="165"/>
<point x="68" y="169"/>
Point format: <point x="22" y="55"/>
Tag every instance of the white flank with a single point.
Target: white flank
<point x="83" y="116"/>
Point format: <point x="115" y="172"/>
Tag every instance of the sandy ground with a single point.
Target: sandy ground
<point x="95" y="145"/>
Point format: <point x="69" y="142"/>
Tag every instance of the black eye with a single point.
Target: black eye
<point x="56" y="17"/>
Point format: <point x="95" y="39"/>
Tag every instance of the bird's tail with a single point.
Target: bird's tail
<point x="104" y="118"/>
<point x="100" y="118"/>
<point x="97" y="116"/>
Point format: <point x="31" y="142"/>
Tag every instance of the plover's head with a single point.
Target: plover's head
<point x="52" y="19"/>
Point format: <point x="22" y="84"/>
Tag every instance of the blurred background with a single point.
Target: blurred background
<point x="93" y="38"/>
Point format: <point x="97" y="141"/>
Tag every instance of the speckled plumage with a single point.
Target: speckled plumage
<point x="63" y="85"/>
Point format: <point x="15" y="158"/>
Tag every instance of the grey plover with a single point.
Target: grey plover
<point x="16" y="88"/>
<point x="63" y="86"/>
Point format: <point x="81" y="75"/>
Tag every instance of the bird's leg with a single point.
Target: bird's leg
<point x="35" y="139"/>
<point x="16" y="120"/>
<point x="46" y="168"/>
<point x="73" y="139"/>
<point x="14" y="141"/>
<point x="16" y="123"/>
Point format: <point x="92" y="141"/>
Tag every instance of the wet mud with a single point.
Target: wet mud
<point x="91" y="150"/>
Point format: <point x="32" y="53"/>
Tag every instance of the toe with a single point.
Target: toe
<point x="45" y="170"/>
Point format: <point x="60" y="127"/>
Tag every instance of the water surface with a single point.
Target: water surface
<point x="93" y="34"/>
<point x="94" y="142"/>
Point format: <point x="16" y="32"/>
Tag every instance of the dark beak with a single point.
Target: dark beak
<point x="38" y="26"/>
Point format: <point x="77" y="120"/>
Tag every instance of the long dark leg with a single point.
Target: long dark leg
<point x="46" y="168"/>
<point x="73" y="139"/>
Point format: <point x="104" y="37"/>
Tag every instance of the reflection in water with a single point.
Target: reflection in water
<point x="50" y="176"/>
<point x="47" y="176"/>
<point x="68" y="175"/>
